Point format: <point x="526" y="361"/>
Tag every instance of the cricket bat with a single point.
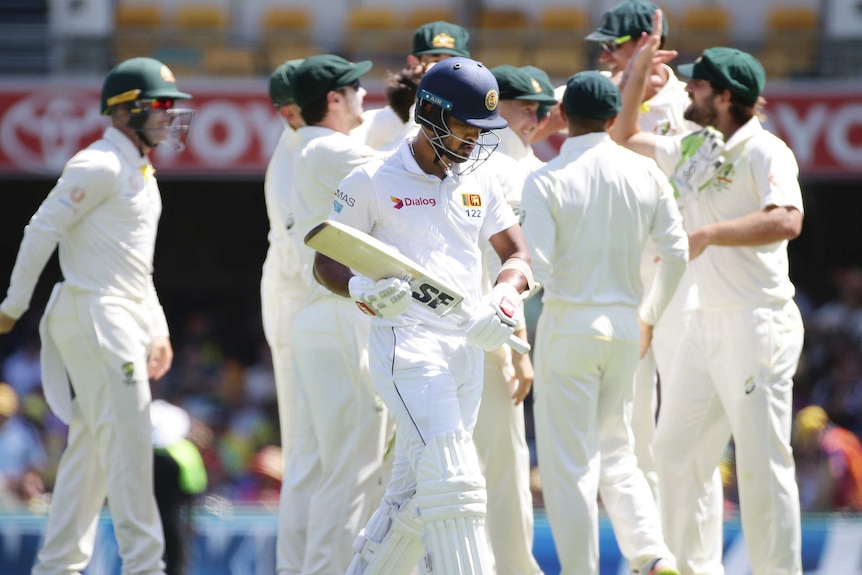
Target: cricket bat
<point x="372" y="258"/>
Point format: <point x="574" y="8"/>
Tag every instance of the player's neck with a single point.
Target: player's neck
<point x="427" y="158"/>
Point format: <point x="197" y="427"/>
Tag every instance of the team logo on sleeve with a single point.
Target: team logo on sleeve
<point x="76" y="195"/>
<point x="472" y="200"/>
<point x="128" y="370"/>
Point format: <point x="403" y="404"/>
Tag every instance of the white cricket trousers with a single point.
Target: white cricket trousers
<point x="583" y="401"/>
<point x="501" y="443"/>
<point x="732" y="375"/>
<point x="280" y="302"/>
<point x="103" y="341"/>
<point x="432" y="384"/>
<point x="335" y="472"/>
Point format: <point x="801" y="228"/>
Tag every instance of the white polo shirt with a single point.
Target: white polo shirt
<point x="440" y="224"/>
<point x="760" y="171"/>
<point x="103" y="212"/>
<point x="588" y="213"/>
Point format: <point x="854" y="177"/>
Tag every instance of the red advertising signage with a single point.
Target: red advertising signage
<point x="234" y="130"/>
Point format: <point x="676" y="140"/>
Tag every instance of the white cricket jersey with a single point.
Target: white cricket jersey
<point x="282" y="261"/>
<point x="382" y="129"/>
<point x="322" y="160"/>
<point x="588" y="213"/>
<point x="759" y="171"/>
<point x="439" y="224"/>
<point x="103" y="212"/>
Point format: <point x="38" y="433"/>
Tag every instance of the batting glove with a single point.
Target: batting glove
<point x="384" y="298"/>
<point x="701" y="159"/>
<point x="494" y="323"/>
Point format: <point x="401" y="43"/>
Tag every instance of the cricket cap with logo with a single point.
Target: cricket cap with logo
<point x="591" y="94"/>
<point x="280" y="83"/>
<point x="518" y="84"/>
<point x="627" y="20"/>
<point x="547" y="88"/>
<point x="732" y="69"/>
<point x="318" y="75"/>
<point x="139" y="79"/>
<point x="441" y="37"/>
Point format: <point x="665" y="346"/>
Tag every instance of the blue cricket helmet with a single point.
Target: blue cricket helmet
<point x="464" y="88"/>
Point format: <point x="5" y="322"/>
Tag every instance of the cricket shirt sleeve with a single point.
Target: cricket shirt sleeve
<point x="539" y="225"/>
<point x="775" y="174"/>
<point x="671" y="242"/>
<point x="87" y="180"/>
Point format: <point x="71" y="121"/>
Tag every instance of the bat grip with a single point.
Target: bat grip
<point x="519" y="344"/>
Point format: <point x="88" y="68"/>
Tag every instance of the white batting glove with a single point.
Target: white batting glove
<point x="384" y="298"/>
<point x="701" y="159"/>
<point x="495" y="320"/>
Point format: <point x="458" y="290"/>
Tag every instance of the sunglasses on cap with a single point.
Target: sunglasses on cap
<point x="611" y="46"/>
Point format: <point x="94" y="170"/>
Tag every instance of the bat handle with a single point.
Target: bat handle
<point x="519" y="344"/>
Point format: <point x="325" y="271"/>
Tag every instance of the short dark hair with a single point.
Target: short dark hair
<point x="587" y="125"/>
<point x="741" y="110"/>
<point x="314" y="112"/>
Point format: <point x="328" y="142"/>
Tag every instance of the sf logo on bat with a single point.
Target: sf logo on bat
<point x="434" y="297"/>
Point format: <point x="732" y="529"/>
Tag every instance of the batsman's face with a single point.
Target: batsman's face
<point x="521" y="115"/>
<point x="702" y="110"/>
<point x="462" y="138"/>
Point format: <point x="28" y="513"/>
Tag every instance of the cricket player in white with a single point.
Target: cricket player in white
<point x="426" y="201"/>
<point x="588" y="214"/>
<point x="335" y="470"/>
<point x="500" y="435"/>
<point x="104" y="333"/>
<point x="386" y="128"/>
<point x="282" y="287"/>
<point x="733" y="372"/>
<point x="661" y="112"/>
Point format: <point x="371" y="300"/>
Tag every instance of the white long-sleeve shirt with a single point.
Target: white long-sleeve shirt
<point x="588" y="213"/>
<point x="103" y="213"/>
<point x="322" y="160"/>
<point x="282" y="261"/>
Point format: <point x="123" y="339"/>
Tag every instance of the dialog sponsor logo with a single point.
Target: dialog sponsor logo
<point x="399" y="203"/>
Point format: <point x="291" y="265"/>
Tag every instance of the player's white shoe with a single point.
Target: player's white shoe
<point x="660" y="566"/>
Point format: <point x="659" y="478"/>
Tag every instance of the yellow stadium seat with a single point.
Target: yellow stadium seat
<point x="701" y="27"/>
<point x="199" y="25"/>
<point x="501" y="36"/>
<point x="426" y="14"/>
<point x="557" y="44"/>
<point x="138" y="31"/>
<point x="230" y="61"/>
<point x="792" y="41"/>
<point x="287" y="34"/>
<point x="373" y="33"/>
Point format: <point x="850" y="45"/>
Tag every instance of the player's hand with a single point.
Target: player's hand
<point x="161" y="357"/>
<point x="646" y="337"/>
<point x="384" y="298"/>
<point x="495" y="320"/>
<point x="701" y="159"/>
<point x="6" y="323"/>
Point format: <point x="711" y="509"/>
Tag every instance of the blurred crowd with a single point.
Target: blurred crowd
<point x="234" y="417"/>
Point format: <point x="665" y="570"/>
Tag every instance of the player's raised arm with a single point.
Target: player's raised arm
<point x="625" y="130"/>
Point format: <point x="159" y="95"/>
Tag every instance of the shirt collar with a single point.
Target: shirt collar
<point x="412" y="166"/>
<point x="126" y="147"/>
<point x="748" y="129"/>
